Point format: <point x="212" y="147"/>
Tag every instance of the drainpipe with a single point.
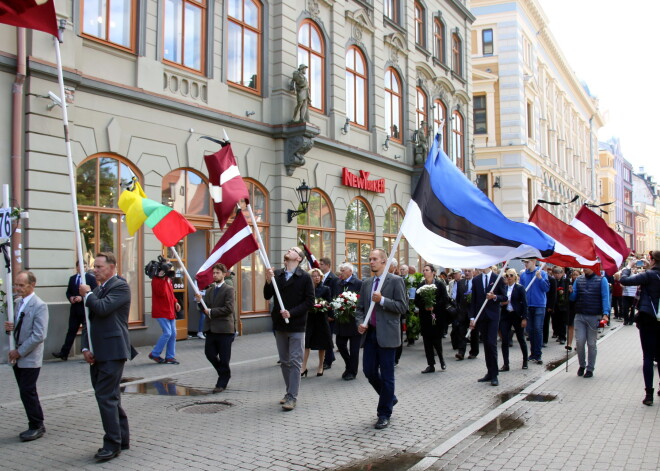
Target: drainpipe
<point x="17" y="143"/>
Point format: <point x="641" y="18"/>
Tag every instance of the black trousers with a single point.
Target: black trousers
<point x="106" y="378"/>
<point x="628" y="309"/>
<point x="462" y="341"/>
<point x="649" y="335"/>
<point x="617" y="304"/>
<point x="559" y="322"/>
<point x="76" y="319"/>
<point x="488" y="328"/>
<point x="218" y="352"/>
<point x="351" y="356"/>
<point x="506" y="323"/>
<point x="27" y="386"/>
<point x="546" y="326"/>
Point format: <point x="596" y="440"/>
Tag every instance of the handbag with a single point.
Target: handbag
<point x="451" y="309"/>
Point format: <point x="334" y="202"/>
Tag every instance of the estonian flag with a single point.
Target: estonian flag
<point x="451" y="223"/>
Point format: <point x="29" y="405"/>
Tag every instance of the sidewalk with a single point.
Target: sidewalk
<point x="244" y="428"/>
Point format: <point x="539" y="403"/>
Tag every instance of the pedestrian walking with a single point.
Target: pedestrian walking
<point x="317" y="331"/>
<point x="164" y="307"/>
<point x="513" y="315"/>
<point x="432" y="317"/>
<point x="536" y="303"/>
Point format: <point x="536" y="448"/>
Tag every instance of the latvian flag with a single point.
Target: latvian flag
<point x="610" y="246"/>
<point x="450" y="222"/>
<point x="234" y="245"/>
<point x="33" y="14"/>
<point x="311" y="259"/>
<point x="225" y="183"/>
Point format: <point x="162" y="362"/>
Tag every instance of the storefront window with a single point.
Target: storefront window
<point x="359" y="236"/>
<point x="393" y="220"/>
<point x="316" y="227"/>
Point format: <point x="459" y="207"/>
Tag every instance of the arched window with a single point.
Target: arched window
<point x="420" y="25"/>
<point x="439" y="40"/>
<point x="311" y="51"/>
<point x="393" y="104"/>
<point x="187" y="192"/>
<point x="458" y="143"/>
<point x="356" y="87"/>
<point x="393" y="220"/>
<point x="102" y="224"/>
<point x="421" y="106"/>
<point x="456" y="55"/>
<point x="440" y="119"/>
<point x="244" y="44"/>
<point x="359" y="236"/>
<point x="316" y="227"/>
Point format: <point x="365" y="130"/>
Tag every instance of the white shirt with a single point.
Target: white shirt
<point x="509" y="292"/>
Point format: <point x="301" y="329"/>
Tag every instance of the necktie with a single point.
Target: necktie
<point x="485" y="283"/>
<point x="19" y="324"/>
<point x="372" y="320"/>
<point x="216" y="289"/>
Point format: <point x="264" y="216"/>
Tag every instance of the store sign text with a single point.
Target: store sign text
<point x="362" y="182"/>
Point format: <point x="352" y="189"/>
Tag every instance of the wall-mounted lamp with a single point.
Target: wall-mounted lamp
<point x="302" y="192"/>
<point x="344" y="129"/>
<point x="386" y="144"/>
<point x="497" y="184"/>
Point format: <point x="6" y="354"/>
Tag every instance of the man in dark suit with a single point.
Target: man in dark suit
<point x="347" y="333"/>
<point x="489" y="320"/>
<point x="29" y="333"/>
<point x="331" y="281"/>
<point x="297" y="291"/>
<point x="219" y="325"/>
<point x="383" y="331"/>
<point x="76" y="311"/>
<point x="109" y="305"/>
<point x="462" y="322"/>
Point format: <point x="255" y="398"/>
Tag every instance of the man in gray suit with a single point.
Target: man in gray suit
<point x="383" y="333"/>
<point x="109" y="305"/>
<point x="30" y="332"/>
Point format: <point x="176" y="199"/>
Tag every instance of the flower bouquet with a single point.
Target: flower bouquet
<point x="427" y="294"/>
<point x="320" y="306"/>
<point x="344" y="306"/>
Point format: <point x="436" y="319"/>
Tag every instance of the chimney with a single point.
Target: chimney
<point x="641" y="170"/>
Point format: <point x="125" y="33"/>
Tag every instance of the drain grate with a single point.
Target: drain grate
<point x="206" y="407"/>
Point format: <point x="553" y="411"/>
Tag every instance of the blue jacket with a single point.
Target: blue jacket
<point x="536" y="295"/>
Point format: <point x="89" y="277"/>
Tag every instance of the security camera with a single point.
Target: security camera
<point x="55" y="99"/>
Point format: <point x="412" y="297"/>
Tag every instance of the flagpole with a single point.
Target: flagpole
<point x="72" y="181"/>
<point x="10" y="287"/>
<point x="372" y="304"/>
<point x="264" y="258"/>
<point x="190" y="280"/>
<point x="499" y="277"/>
<point x="534" y="277"/>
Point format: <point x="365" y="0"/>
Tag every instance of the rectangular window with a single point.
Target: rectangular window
<point x="626" y="174"/>
<point x="391" y="10"/>
<point x="530" y="196"/>
<point x="482" y="182"/>
<point x="480" y="115"/>
<point x="487" y="41"/>
<point x="244" y="44"/>
<point x="111" y="21"/>
<point x="627" y="196"/>
<point x="530" y="121"/>
<point x="184" y="33"/>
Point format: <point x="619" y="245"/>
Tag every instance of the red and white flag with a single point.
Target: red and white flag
<point x="572" y="247"/>
<point x="234" y="245"/>
<point x="225" y="183"/>
<point x="32" y="14"/>
<point x="311" y="259"/>
<point x="610" y="246"/>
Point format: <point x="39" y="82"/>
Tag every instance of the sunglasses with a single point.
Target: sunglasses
<point x="510" y="276"/>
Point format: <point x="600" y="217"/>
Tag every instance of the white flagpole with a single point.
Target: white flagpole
<point x="264" y="258"/>
<point x="372" y="304"/>
<point x="534" y="277"/>
<point x="10" y="287"/>
<point x="499" y="277"/>
<point x="72" y="181"/>
<point x="190" y="280"/>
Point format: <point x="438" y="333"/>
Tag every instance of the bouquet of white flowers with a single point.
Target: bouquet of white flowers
<point x="427" y="293"/>
<point x="320" y="305"/>
<point x="344" y="306"/>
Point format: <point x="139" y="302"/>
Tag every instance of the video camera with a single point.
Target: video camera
<point x="154" y="267"/>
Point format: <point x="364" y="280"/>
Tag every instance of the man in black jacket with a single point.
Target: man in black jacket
<point x="462" y="322"/>
<point x="347" y="333"/>
<point x="297" y="291"/>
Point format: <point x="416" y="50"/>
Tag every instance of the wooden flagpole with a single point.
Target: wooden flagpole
<point x="499" y="277"/>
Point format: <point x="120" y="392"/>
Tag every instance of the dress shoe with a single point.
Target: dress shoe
<point x="319" y="373"/>
<point x="32" y="434"/>
<point x="568" y="347"/>
<point x="106" y="455"/>
<point x="303" y="373"/>
<point x="61" y="356"/>
<point x="472" y="357"/>
<point x="524" y="367"/>
<point x="395" y="402"/>
<point x="327" y="366"/>
<point x="283" y="400"/>
<point x="443" y="365"/>
<point x="218" y="389"/>
<point x="349" y="377"/>
<point x="538" y="362"/>
<point x="494" y="382"/>
<point x="505" y="368"/>
<point x="588" y="374"/>
<point x="459" y="356"/>
<point x="429" y="369"/>
<point x="125" y="447"/>
<point x="290" y="404"/>
<point x="580" y="371"/>
<point x="382" y="423"/>
<point x="485" y="379"/>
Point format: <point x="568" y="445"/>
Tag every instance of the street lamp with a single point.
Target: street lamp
<point x="302" y="192"/>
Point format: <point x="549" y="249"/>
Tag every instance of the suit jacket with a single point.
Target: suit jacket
<point x="221" y="305"/>
<point x="297" y="296"/>
<point x="354" y="284"/>
<point x="518" y="302"/>
<point x="34" y="328"/>
<point x="332" y="281"/>
<point x="108" y="321"/>
<point x="464" y="307"/>
<point x="552" y="293"/>
<point x="388" y="316"/>
<point x="492" y="309"/>
<point x="72" y="290"/>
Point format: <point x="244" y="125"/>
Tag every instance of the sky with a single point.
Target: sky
<point x="609" y="46"/>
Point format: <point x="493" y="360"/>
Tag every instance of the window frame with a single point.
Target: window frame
<point x="484" y="43"/>
<point x="308" y="228"/>
<point x="390" y="237"/>
<point x="457" y="55"/>
<point x="439" y="104"/>
<point x="260" y="35"/>
<point x="310" y="52"/>
<point x="359" y="236"/>
<point x="439" y="40"/>
<point x="484" y="110"/>
<point x="391" y="10"/>
<point x="203" y="5"/>
<point x="389" y="95"/>
<point x="423" y="111"/>
<point x="458" y="139"/>
<point x="133" y="33"/>
<point x="419" y="18"/>
<point x="356" y="76"/>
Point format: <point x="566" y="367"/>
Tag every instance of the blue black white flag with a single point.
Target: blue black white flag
<point x="452" y="223"/>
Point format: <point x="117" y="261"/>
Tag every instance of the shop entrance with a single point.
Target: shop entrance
<point x="357" y="253"/>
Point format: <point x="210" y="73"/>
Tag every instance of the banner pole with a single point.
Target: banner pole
<point x="534" y="277"/>
<point x="499" y="277"/>
<point x="10" y="285"/>
<point x="190" y="280"/>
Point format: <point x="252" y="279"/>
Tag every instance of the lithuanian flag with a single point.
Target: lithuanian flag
<point x="169" y="226"/>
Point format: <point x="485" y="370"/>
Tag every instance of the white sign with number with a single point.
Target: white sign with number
<point x="5" y="223"/>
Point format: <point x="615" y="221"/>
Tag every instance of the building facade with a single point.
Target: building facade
<point x="624" y="210"/>
<point x="535" y="124"/>
<point x="146" y="80"/>
<point x="607" y="177"/>
<point x="645" y="202"/>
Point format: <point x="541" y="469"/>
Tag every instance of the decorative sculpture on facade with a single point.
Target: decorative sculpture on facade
<point x="303" y="100"/>
<point x="421" y="143"/>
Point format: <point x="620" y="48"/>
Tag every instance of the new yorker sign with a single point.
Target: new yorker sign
<point x="362" y="181"/>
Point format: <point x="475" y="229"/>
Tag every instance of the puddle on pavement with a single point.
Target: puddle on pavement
<point x="540" y="397"/>
<point x="164" y="387"/>
<point x="506" y="395"/>
<point x="212" y="407"/>
<point x="503" y="423"/>
<point x="393" y="463"/>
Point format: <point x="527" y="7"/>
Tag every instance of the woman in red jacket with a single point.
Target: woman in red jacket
<point x="163" y="308"/>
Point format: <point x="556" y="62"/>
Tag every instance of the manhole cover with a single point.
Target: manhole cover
<point x="206" y="407"/>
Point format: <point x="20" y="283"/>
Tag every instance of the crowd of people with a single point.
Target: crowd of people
<point x="472" y="306"/>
